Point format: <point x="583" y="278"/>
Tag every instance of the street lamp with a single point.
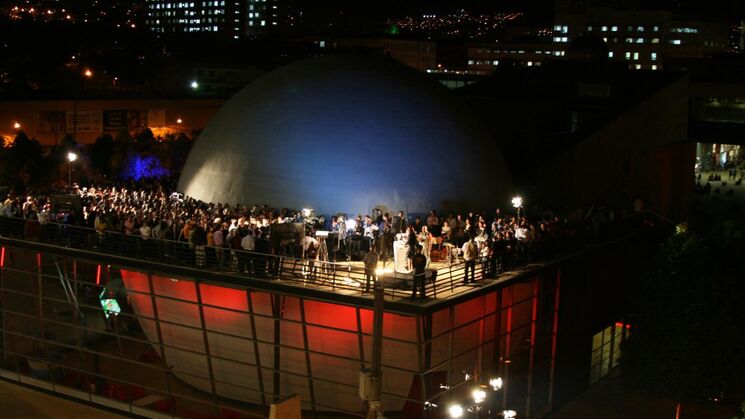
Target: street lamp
<point x="71" y="157"/>
<point x="179" y="120"/>
<point x="17" y="125"/>
<point x="194" y="84"/>
<point x="88" y="73"/>
<point x="517" y="202"/>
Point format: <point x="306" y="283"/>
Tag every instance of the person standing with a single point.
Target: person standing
<point x="419" y="261"/>
<point x="371" y="263"/>
<point x="470" y="253"/>
<point x="411" y="242"/>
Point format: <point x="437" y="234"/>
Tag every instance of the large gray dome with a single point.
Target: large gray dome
<point x="346" y="134"/>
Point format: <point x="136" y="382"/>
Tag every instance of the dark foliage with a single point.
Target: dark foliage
<point x="689" y="323"/>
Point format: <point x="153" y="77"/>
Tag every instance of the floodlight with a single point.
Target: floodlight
<point x="478" y="395"/>
<point x="456" y="411"/>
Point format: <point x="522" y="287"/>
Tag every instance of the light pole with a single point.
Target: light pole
<point x="71" y="157"/>
<point x="517" y="202"/>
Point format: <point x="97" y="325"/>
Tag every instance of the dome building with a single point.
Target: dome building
<point x="346" y="134"/>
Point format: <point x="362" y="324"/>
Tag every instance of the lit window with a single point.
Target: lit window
<point x="610" y="54"/>
<point x="263" y="23"/>
<point x="654" y="56"/>
<point x="564" y="29"/>
<point x="495" y="62"/>
<point x="604" y="29"/>
<point x="656" y="29"/>
<point x="638" y="66"/>
<point x="322" y="44"/>
<point x="655" y="40"/>
<point x="639" y="40"/>
<point x="470" y="62"/>
<point x="564" y="39"/>
<point x="589" y="29"/>
<point x="654" y="66"/>
<point x="629" y="40"/>
<point x="557" y="28"/>
<point x="628" y="55"/>
<point x="636" y="56"/>
<point x="640" y="29"/>
<point x="605" y="40"/>
<point x="614" y="29"/>
<point x="675" y="41"/>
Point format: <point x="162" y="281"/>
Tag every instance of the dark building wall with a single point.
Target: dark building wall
<point x="634" y="156"/>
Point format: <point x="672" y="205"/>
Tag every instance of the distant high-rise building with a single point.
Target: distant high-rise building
<point x="646" y="39"/>
<point x="236" y="19"/>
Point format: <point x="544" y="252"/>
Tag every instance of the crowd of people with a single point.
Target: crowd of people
<point x="150" y="211"/>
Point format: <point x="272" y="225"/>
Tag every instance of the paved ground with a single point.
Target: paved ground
<point x="18" y="402"/>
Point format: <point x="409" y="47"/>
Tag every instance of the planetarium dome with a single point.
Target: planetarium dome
<point x="346" y="134"/>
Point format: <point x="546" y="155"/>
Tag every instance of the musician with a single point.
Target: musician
<point x="411" y="242"/>
<point x="385" y="236"/>
<point x="425" y="241"/>
<point x="370" y="233"/>
<point x="399" y="223"/>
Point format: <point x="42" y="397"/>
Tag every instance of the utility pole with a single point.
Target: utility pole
<point x="374" y="410"/>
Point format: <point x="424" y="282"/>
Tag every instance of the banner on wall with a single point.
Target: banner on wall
<point x="51" y="122"/>
<point x="84" y="121"/>
<point x="114" y="120"/>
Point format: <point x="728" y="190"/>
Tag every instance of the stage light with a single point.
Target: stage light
<point x="383" y="271"/>
<point x="509" y="414"/>
<point x="71" y="157"/>
<point x="456" y="411"/>
<point x="517" y="202"/>
<point x="17" y="125"/>
<point x="351" y="224"/>
<point x="307" y="212"/>
<point x="496" y="383"/>
<point x="478" y="395"/>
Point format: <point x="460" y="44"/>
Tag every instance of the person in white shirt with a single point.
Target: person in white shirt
<point x="470" y="254"/>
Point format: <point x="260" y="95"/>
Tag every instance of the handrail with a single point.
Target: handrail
<point x="343" y="276"/>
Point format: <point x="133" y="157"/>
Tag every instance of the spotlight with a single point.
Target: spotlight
<point x="517" y="202"/>
<point x="509" y="414"/>
<point x="456" y="411"/>
<point x="307" y="212"/>
<point x="478" y="395"/>
<point x="496" y="383"/>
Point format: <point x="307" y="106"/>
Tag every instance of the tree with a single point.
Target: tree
<point x="688" y="332"/>
<point x="101" y="153"/>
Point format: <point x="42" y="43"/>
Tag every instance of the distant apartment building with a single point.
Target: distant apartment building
<point x="236" y="19"/>
<point x="649" y="40"/>
<point x="484" y="58"/>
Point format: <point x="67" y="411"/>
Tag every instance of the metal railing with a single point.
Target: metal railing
<point x="335" y="276"/>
